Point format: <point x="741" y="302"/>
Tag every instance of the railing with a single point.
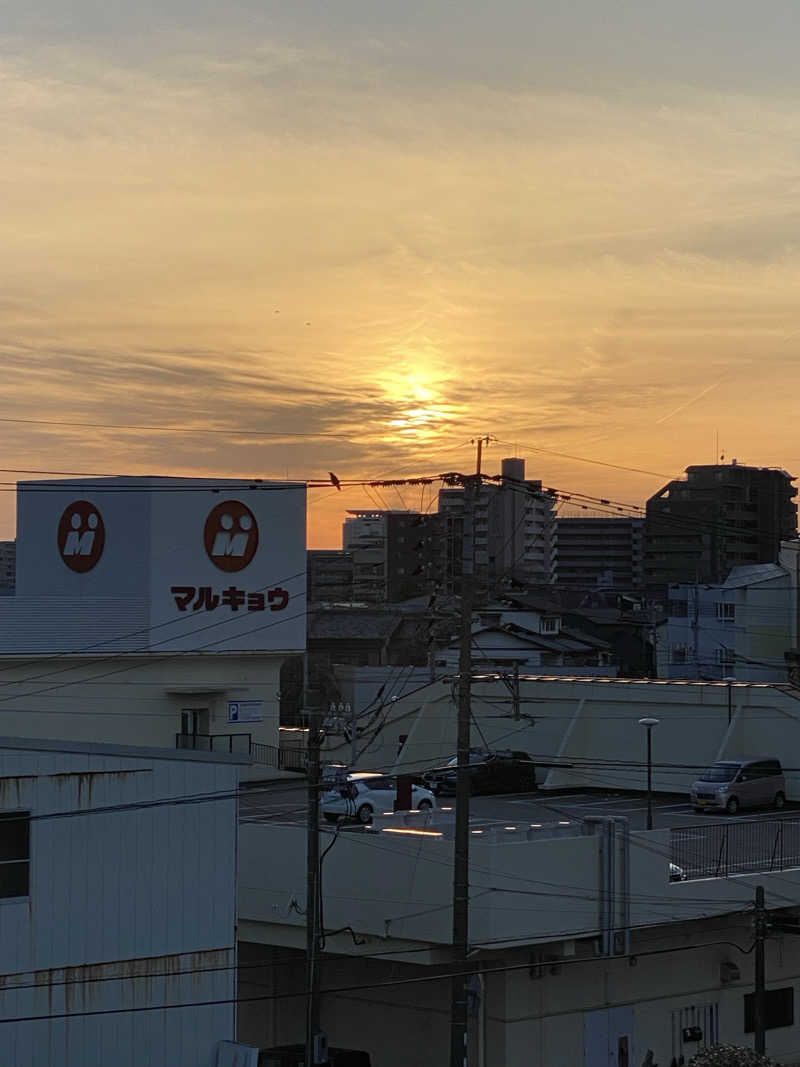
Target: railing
<point x="232" y="743"/>
<point x="742" y="847"/>
<point x="282" y="759"/>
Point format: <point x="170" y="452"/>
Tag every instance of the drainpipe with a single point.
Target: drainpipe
<point x="482" y="1022"/>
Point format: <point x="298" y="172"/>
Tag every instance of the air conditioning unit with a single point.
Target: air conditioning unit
<point x="729" y="972"/>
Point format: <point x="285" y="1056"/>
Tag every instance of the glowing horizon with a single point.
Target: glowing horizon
<point x="571" y="229"/>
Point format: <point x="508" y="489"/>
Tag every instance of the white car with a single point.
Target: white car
<point x="367" y="792"/>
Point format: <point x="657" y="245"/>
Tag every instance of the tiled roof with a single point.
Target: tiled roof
<point x="352" y="625"/>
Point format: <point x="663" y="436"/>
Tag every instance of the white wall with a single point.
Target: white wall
<point x="121" y="903"/>
<point x="522" y="890"/>
<point x="136" y="700"/>
<point x="154" y="543"/>
<point x="544" y="986"/>
<point x="593" y="725"/>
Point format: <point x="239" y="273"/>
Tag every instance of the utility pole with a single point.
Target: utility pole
<point x="353" y="732"/>
<point x="512" y="685"/>
<point x="459" y="1015"/>
<point x="760" y="923"/>
<point x="314" y="1051"/>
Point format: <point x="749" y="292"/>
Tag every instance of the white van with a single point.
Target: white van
<point x="729" y="785"/>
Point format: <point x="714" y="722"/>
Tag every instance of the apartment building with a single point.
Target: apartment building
<point x="600" y="553"/>
<point x="330" y="576"/>
<point x="719" y="517"/>
<point x="514" y="531"/>
<point x="397" y="555"/>
<point x="8" y="565"/>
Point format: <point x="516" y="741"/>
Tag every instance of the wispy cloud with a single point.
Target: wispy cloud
<point x="688" y="403"/>
<point x="291" y="231"/>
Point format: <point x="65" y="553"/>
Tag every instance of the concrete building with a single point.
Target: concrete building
<point x="397" y="555"/>
<point x="721" y="516"/>
<point x="154" y="611"/>
<point x="580" y="957"/>
<point x="118" y="871"/>
<point x="513" y="528"/>
<point x="742" y="628"/>
<point x="585" y="729"/>
<point x="596" y="553"/>
<point x="8" y="565"/>
<point x="330" y="576"/>
<point x="585" y="949"/>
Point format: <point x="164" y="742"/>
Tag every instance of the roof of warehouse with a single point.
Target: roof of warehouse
<point x="99" y="748"/>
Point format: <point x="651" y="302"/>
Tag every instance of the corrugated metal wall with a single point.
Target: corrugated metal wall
<point x="136" y="895"/>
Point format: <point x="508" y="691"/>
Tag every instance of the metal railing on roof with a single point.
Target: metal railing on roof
<point x="282" y="759"/>
<point x="741" y="847"/>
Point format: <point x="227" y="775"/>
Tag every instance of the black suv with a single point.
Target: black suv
<point x="489" y="772"/>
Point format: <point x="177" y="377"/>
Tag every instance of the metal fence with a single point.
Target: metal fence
<point x="282" y="759"/>
<point x="233" y="743"/>
<point x="740" y="847"/>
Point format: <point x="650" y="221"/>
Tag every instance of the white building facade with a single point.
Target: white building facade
<point x="118" y="875"/>
<point x="150" y="608"/>
<point x="739" y="629"/>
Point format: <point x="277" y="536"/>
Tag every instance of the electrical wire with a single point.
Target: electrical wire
<point x="232" y="431"/>
<point x="333" y="990"/>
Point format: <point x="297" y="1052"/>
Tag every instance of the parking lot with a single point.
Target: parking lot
<point x="286" y="803"/>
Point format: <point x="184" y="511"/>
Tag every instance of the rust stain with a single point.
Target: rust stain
<point x="86" y="781"/>
<point x="139" y="977"/>
<point x="10" y="789"/>
<point x="94" y="774"/>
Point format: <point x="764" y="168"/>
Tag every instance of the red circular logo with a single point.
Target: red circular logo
<point x="81" y="536"/>
<point x="231" y="536"/>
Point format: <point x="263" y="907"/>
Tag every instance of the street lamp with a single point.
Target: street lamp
<point x="648" y="725"/>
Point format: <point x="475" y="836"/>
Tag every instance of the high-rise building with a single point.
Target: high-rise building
<point x="513" y="528"/>
<point x="330" y="576"/>
<point x="396" y="555"/>
<point x="719" y="517"/>
<point x="8" y="565"/>
<point x="600" y="552"/>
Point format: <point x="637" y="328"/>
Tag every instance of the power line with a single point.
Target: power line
<point x="201" y="430"/>
<point x="441" y="976"/>
<point x="583" y="459"/>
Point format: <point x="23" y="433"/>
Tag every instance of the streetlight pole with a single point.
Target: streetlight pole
<point x="648" y="725"/>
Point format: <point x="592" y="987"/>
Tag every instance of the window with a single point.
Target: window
<point x="550" y="626"/>
<point x="15" y="854"/>
<point x="678" y="609"/>
<point x="726" y="657"/>
<point x="680" y="654"/>
<point x="726" y="612"/>
<point x="778" y="1009"/>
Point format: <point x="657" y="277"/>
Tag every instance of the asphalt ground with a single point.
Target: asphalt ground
<point x="285" y="803"/>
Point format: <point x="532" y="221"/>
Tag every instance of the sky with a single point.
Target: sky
<point x="353" y="237"/>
